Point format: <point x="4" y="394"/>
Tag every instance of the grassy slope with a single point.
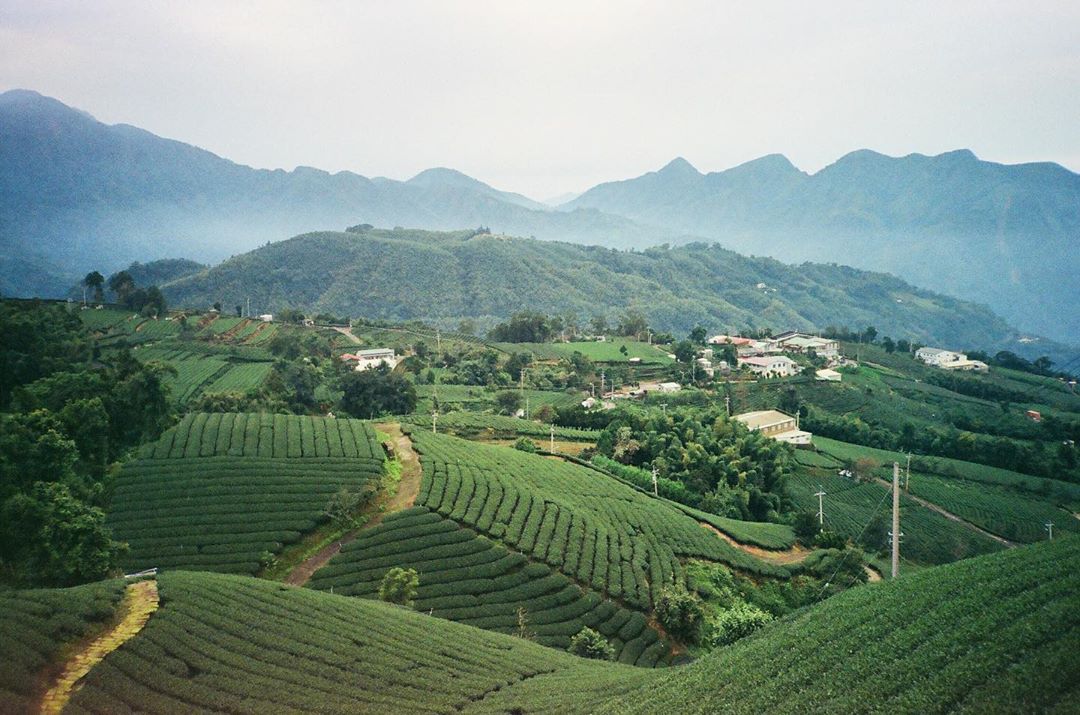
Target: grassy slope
<point x="993" y="634"/>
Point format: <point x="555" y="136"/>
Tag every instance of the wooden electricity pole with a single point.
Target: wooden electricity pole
<point x="894" y="535"/>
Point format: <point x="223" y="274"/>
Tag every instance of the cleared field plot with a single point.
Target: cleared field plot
<point x="995" y="509"/>
<point x="35" y="625"/>
<point x="232" y="644"/>
<point x="199" y="372"/>
<point x="593" y="528"/>
<point x="609" y="351"/>
<point x="472" y="580"/>
<point x="929" y="538"/>
<point x="219" y="492"/>
<point x="106" y="318"/>
<point x="240" y="377"/>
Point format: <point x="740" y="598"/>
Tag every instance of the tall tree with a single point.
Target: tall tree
<point x="94" y="281"/>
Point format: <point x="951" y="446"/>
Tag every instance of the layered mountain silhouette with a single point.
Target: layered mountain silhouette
<point x="78" y="195"/>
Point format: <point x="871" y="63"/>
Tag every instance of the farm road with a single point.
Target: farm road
<point x="949" y="515"/>
<point x="403" y="498"/>
<point x="790" y="556"/>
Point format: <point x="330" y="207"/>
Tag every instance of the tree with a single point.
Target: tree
<point x="632" y="324"/>
<point x="888" y="344"/>
<point x="122" y="284"/>
<point x="736" y="622"/>
<point x="399" y="586"/>
<point x="587" y="643"/>
<point x="869" y="334"/>
<point x="217" y="306"/>
<point x="342" y="506"/>
<point x="684" y="351"/>
<point x="524" y="444"/>
<point x="806" y="526"/>
<point x="698" y="335"/>
<point x="508" y="401"/>
<point x="239" y="310"/>
<point x="377" y="391"/>
<point x="94" y="281"/>
<point x="598" y="325"/>
<point x="680" y="613"/>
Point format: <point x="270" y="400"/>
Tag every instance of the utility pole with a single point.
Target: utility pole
<point x="655" y="489"/>
<point x="727" y="404"/>
<point x="895" y="534"/>
<point x="907" y="475"/>
<point x="601" y="384"/>
<point x="438" y="341"/>
<point x="552" y="450"/>
<point x="1050" y="529"/>
<point x="663" y="407"/>
<point x="526" y="407"/>
<point x="820" y="506"/>
<point x="434" y="418"/>
<point x="247" y="313"/>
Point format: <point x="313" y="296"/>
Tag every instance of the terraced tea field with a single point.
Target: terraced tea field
<point x="472" y="580"/>
<point x="474" y="424"/>
<point x="221" y="492"/>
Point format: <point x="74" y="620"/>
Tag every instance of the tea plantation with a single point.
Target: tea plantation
<point x="997" y="633"/>
<point x="469" y="579"/>
<point x="35" y="626"/>
<point x="222" y="491"/>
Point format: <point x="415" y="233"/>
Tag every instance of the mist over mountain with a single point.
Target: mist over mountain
<point x="78" y="195"/>
<point x="1000" y="234"/>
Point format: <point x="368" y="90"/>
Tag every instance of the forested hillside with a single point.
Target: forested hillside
<point x="407" y="274"/>
<point x="1000" y="234"/>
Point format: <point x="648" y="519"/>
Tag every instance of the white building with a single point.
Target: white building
<point x="775" y="424"/>
<point x="938" y="357"/>
<point x="367" y="359"/>
<point x="668" y="387"/>
<point x="800" y="343"/>
<point x="770" y="366"/>
<point x="966" y="365"/>
<point x="827" y="375"/>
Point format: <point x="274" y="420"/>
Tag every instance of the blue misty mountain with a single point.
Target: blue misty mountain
<point x="1005" y="235"/>
<point x="78" y="195"/>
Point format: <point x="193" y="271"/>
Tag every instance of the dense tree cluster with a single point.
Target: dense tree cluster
<point x="65" y="418"/>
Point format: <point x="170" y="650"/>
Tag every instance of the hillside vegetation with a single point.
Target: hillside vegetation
<point x="406" y="274"/>
<point x="993" y="634"/>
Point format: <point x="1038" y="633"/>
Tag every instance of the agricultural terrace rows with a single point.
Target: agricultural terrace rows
<point x="994" y="634"/>
<point x="929" y="538"/>
<point x="223" y="492"/>
<point x="1059" y="491"/>
<point x="232" y="644"/>
<point x="472" y="580"/>
<point x="265" y="435"/>
<point x="474" y="424"/>
<point x="198" y="373"/>
<point x="36" y="625"/>
<point x="592" y="527"/>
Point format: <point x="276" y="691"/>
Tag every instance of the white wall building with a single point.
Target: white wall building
<point x="367" y="359"/>
<point x="775" y="424"/>
<point x="938" y="357"/>
<point x="770" y="366"/>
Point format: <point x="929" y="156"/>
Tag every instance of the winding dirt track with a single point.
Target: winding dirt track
<point x="405" y="497"/>
<point x="140" y="600"/>
<point x="949" y="515"/>
<point x="790" y="556"/>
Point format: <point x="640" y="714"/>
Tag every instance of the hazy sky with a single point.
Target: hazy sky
<point x="548" y="97"/>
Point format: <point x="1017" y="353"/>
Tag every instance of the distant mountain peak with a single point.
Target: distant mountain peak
<point x="679" y="167"/>
<point x="770" y="164"/>
<point x="443" y="175"/>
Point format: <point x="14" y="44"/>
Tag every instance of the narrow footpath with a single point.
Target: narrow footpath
<point x="405" y="496"/>
<point x="790" y="556"/>
<point x="140" y="600"/>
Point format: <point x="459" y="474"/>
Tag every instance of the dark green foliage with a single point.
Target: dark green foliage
<point x="524" y="444"/>
<point x="526" y="327"/>
<point x="36" y="625"/>
<point x="587" y="643"/>
<point x="738" y="621"/>
<point x="375" y="392"/>
<point x="399" y="586"/>
<point x="806" y="526"/>
<point x="680" y="613"/>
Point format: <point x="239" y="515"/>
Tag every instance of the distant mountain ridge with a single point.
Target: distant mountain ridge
<point x="449" y="276"/>
<point x="78" y="195"/>
<point x="1006" y="235"/>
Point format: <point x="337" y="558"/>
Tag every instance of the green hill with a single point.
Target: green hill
<point x="993" y="634"/>
<point x="220" y="492"/>
<point x="409" y="274"/>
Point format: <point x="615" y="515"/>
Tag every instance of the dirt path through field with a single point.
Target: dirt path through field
<point x="403" y="498"/>
<point x="793" y="555"/>
<point x="949" y="515"/>
<point x="347" y="332"/>
<point x="140" y="600"/>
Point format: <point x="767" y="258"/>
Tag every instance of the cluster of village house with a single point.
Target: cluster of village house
<point x="949" y="360"/>
<point x="763" y="356"/>
<point x="367" y="359"/>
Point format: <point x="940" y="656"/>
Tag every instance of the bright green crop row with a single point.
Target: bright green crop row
<point x="471" y="580"/>
<point x="223" y="513"/>
<point x="35" y="625"/>
<point x="590" y="526"/>
<point x="265" y="435"/>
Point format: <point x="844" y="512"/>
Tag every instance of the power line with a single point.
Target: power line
<point x="866" y="526"/>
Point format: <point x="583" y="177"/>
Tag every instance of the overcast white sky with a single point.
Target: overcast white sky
<point x="548" y="97"/>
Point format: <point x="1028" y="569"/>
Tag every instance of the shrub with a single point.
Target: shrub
<point x="680" y="613"/>
<point x="399" y="586"/>
<point x="806" y="526"/>
<point x="737" y="622"/>
<point x="590" y="644"/>
<point x="525" y="444"/>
